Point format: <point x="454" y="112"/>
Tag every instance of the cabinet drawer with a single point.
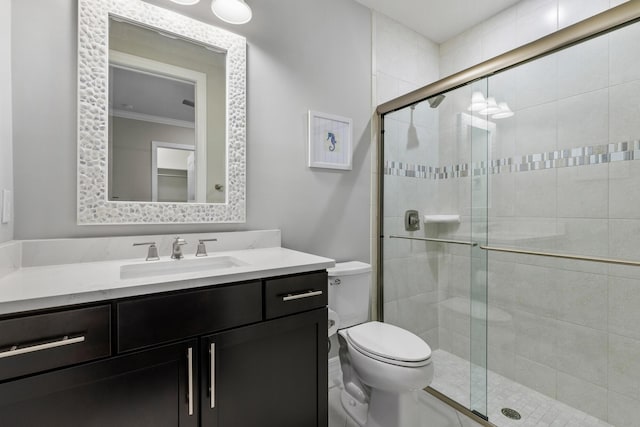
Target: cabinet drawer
<point x="163" y="318"/>
<point x="45" y="341"/>
<point x="293" y="294"/>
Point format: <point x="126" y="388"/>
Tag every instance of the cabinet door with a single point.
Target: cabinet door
<point x="151" y="388"/>
<point x="272" y="374"/>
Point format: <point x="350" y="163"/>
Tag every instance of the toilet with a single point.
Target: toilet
<point x="383" y="366"/>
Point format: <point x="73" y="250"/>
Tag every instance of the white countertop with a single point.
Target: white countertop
<point x="32" y="288"/>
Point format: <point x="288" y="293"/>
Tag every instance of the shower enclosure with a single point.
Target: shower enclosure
<point x="520" y="263"/>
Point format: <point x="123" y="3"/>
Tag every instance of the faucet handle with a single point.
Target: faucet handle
<point x="202" y="248"/>
<point x="152" y="254"/>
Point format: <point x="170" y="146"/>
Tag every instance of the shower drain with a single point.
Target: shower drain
<point x="511" y="413"/>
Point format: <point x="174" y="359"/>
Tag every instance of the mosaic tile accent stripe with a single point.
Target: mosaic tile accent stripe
<point x="581" y="156"/>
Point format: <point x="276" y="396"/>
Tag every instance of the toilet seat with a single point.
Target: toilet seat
<point x="389" y="344"/>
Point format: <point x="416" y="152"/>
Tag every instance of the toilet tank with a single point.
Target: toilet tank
<point x="349" y="292"/>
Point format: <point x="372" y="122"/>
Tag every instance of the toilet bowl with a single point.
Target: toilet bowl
<point x="383" y="366"/>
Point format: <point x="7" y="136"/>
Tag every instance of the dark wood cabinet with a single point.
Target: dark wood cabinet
<point x="147" y="361"/>
<point x="144" y="389"/>
<point x="273" y="374"/>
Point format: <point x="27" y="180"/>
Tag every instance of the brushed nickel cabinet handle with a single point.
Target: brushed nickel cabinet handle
<point x="212" y="350"/>
<point x="17" y="350"/>
<point x="190" y="379"/>
<point x="306" y="294"/>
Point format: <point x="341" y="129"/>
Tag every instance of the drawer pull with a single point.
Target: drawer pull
<point x="306" y="294"/>
<point x="17" y="350"/>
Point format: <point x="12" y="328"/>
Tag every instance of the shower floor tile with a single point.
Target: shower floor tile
<point x="452" y="378"/>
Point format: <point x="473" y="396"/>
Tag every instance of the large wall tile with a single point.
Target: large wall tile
<point x="536" y="338"/>
<point x="387" y="87"/>
<point x="501" y="283"/>
<point x="537" y="82"/>
<point x="580" y="236"/>
<point x="624" y="191"/>
<point x="624" y="58"/>
<point x="499" y="39"/>
<point x="624" y="300"/>
<point x="583" y="120"/>
<point x="623" y="411"/>
<point x="623" y="244"/>
<point x="536" y="130"/>
<point x="535" y="291"/>
<point x="583" y="191"/>
<point x="624" y="366"/>
<point x="582" y="352"/>
<point x="431" y="337"/>
<point x="423" y="272"/>
<point x="584" y="67"/>
<point x="454" y="315"/>
<point x="582" y="395"/>
<point x="536" y="376"/>
<point x="536" y="195"/>
<point x="624" y="110"/>
<point x="394" y="273"/>
<point x="537" y="22"/>
<point x="501" y="362"/>
<point x="572" y="11"/>
<point x="527" y="7"/>
<point x="502" y="193"/>
<point x="396" y="48"/>
<point x="581" y="298"/>
<point x="390" y="202"/>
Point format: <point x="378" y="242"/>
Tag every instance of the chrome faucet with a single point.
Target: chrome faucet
<point x="202" y="249"/>
<point x="176" y="248"/>
<point x="152" y="254"/>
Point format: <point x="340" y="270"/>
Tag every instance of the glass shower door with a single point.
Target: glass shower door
<point x="479" y="131"/>
<point x="434" y="274"/>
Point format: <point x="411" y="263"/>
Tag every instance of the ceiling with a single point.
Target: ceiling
<point x="149" y="94"/>
<point x="439" y="20"/>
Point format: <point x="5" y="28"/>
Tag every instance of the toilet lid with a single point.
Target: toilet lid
<point x="389" y="342"/>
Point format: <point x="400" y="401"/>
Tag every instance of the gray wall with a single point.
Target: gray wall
<point x="6" y="166"/>
<point x="302" y="54"/>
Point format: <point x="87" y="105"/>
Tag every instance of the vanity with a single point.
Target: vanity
<point x="241" y="345"/>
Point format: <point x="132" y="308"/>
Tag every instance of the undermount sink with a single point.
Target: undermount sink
<point x="193" y="265"/>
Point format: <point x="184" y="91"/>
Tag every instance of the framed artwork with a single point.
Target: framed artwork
<point x="329" y="141"/>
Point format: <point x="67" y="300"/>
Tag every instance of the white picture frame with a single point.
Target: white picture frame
<point x="330" y="141"/>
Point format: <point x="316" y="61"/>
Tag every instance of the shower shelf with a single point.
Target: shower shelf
<point x="442" y="219"/>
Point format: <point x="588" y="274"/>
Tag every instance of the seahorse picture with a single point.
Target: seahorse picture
<point x="329" y="141"/>
<point x="331" y="137"/>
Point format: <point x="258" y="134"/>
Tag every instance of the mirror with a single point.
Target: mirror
<point x="161" y="130"/>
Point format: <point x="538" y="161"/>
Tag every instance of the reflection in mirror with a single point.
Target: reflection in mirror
<point x="172" y="172"/>
<point x="163" y="88"/>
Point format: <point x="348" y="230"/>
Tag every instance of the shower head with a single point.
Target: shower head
<point x="435" y="101"/>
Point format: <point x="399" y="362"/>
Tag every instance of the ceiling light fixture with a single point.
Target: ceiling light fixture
<point x="477" y="102"/>
<point x="491" y="107"/>
<point x="504" y="112"/>
<point x="232" y="11"/>
<point x="186" y="2"/>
